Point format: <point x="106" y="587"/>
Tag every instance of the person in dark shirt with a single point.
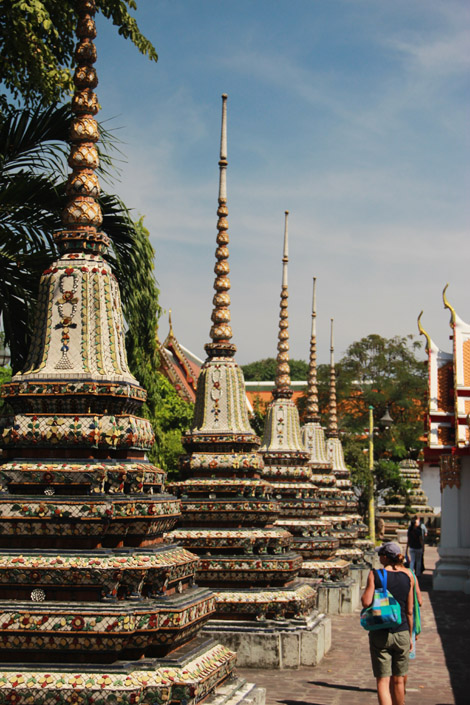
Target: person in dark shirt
<point x="390" y="648"/>
<point x="415" y="545"/>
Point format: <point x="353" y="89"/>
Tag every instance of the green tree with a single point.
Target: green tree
<point x="37" y="41"/>
<point x="265" y="370"/>
<point x="164" y="408"/>
<point x="388" y="375"/>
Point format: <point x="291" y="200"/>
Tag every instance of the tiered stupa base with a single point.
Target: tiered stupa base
<point x="396" y="514"/>
<point x="277" y="644"/>
<point x="189" y="674"/>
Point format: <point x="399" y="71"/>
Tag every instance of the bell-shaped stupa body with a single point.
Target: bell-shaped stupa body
<point x="286" y="463"/>
<point x="227" y="507"/>
<point x="95" y="606"/>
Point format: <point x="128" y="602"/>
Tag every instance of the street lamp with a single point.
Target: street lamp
<point x="385" y="422"/>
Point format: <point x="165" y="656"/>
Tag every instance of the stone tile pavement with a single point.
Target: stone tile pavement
<point x="440" y="674"/>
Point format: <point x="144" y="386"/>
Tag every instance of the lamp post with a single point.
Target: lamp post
<point x="385" y="422"/>
<point x="371" y="476"/>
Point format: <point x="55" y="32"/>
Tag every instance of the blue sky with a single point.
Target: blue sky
<point x="351" y="114"/>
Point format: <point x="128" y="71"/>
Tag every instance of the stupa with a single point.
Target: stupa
<point x="335" y="502"/>
<point x="286" y="463"/>
<point x="228" y="509"/>
<point x="357" y="544"/>
<point x="95" y="607"/>
<point x="398" y="509"/>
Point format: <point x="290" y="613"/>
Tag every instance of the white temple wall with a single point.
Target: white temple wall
<point x="431" y="485"/>
<point x="453" y="569"/>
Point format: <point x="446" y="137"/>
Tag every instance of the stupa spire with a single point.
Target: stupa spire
<point x="82" y="215"/>
<point x="312" y="414"/>
<point x="333" y="419"/>
<point x="283" y="389"/>
<point x="221" y="331"/>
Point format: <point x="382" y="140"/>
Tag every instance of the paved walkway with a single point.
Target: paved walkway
<point x="440" y="675"/>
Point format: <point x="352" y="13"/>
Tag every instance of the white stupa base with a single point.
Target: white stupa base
<point x="452" y="571"/>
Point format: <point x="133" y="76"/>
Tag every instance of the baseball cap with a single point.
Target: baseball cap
<point x="390" y="549"/>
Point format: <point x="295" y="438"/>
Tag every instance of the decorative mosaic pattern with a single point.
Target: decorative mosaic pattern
<point x="58" y="626"/>
<point x="221" y="402"/>
<point x="290" y="472"/>
<point x="242" y="487"/>
<point x="313" y="438"/>
<point x="222" y="512"/>
<point x="40" y="430"/>
<point x="249" y="570"/>
<point x="189" y="683"/>
<point x="249" y="540"/>
<point x="331" y="569"/>
<point x="83" y="326"/>
<point x="224" y="461"/>
<point x="39" y="396"/>
<point x="262" y="604"/>
<point x="133" y="573"/>
<point x="114" y="478"/>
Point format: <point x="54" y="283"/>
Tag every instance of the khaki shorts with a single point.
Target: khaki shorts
<point x="389" y="652"/>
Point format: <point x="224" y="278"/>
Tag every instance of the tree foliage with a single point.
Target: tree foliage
<point x="386" y="374"/>
<point x="264" y="370"/>
<point x="37" y="41"/>
<point x="164" y="408"/>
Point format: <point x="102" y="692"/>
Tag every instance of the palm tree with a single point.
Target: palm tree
<point x="32" y="196"/>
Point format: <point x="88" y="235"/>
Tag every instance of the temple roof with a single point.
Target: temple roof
<point x="448" y="387"/>
<point x="179" y="365"/>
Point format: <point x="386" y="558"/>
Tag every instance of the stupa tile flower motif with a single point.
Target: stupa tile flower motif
<point x="88" y="587"/>
<point x="227" y="507"/>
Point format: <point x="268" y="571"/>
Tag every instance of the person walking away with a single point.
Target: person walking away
<point x="415" y="546"/>
<point x="390" y="648"/>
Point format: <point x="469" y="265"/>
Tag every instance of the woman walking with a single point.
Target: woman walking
<point x="390" y="648"/>
<point x="415" y="545"/>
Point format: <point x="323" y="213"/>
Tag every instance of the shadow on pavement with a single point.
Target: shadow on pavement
<point x="452" y="615"/>
<point x="353" y="688"/>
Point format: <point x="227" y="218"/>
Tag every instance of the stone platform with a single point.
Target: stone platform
<point x="275" y="644"/>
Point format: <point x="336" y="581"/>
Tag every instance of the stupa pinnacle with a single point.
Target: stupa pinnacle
<point x="312" y="414"/>
<point x="221" y="331"/>
<point x="94" y="605"/>
<point x="333" y="445"/>
<point x="283" y="389"/>
<point x="313" y="436"/>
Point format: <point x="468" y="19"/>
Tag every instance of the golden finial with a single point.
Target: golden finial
<point x="221" y="332"/>
<point x="447" y="305"/>
<point x="82" y="215"/>
<point x="283" y="370"/>
<point x="423" y="332"/>
<point x="170" y="332"/>
<point x="333" y="420"/>
<point x="312" y="412"/>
